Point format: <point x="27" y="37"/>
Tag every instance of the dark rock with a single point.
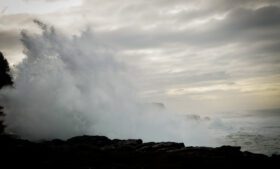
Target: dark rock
<point x="229" y="150"/>
<point x="57" y="142"/>
<point x="129" y="144"/>
<point x="145" y="147"/>
<point x="90" y="140"/>
<point x="86" y="152"/>
<point x="170" y="145"/>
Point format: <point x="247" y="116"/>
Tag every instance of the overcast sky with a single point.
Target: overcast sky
<point x="195" y="56"/>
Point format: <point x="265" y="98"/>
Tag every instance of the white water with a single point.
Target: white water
<point x="68" y="86"/>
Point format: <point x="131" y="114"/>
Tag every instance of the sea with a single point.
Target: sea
<point x="257" y="131"/>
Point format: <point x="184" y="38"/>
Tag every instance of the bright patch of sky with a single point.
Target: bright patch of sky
<point x="36" y="7"/>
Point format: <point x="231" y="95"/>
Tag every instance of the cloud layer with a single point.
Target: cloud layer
<point x="206" y="51"/>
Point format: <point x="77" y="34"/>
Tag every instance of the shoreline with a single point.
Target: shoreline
<point x="82" y="152"/>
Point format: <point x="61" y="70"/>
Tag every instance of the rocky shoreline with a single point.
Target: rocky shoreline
<point x="90" y="152"/>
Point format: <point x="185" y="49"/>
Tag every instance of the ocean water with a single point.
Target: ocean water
<point x="255" y="131"/>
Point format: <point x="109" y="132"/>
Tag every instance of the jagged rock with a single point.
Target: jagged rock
<point x="130" y="142"/>
<point x="168" y="145"/>
<point x="145" y="147"/>
<point x="90" y="140"/>
<point x="84" y="152"/>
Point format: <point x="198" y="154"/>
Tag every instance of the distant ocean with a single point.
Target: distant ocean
<point x="255" y="131"/>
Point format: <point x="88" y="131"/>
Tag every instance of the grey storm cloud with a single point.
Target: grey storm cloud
<point x="240" y="25"/>
<point x="172" y="43"/>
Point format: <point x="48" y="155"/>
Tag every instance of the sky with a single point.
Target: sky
<point x="194" y="56"/>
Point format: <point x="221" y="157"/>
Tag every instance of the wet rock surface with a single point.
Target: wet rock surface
<point x="92" y="152"/>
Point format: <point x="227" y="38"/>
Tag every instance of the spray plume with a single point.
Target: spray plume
<point x="68" y="86"/>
